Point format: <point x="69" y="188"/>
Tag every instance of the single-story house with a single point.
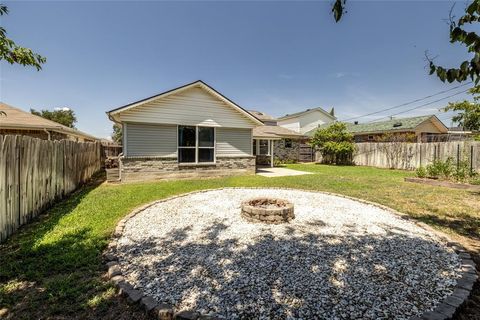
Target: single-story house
<point x="424" y="128"/>
<point x="16" y="121"/>
<point x="306" y="120"/>
<point x="190" y="131"/>
<point x="272" y="142"/>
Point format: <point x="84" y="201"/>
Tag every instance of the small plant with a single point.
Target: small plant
<point x="440" y="169"/>
<point x="421" y="172"/>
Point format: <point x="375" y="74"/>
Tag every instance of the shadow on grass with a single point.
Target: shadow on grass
<point x="54" y="278"/>
<point x="271" y="277"/>
<point x="467" y="226"/>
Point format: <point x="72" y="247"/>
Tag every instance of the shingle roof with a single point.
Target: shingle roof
<point x="306" y="111"/>
<point x="382" y="126"/>
<point x="261" y="115"/>
<point x="18" y="119"/>
<point x="275" y="132"/>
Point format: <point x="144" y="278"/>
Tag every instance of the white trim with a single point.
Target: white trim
<point x="124" y="134"/>
<point x="197" y="147"/>
<point x="301" y="113"/>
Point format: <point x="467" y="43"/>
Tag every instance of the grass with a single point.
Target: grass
<point x="52" y="268"/>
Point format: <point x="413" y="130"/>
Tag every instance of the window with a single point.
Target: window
<point x="288" y="143"/>
<point x="254" y="147"/>
<point x="264" y="147"/>
<point x="196" y="144"/>
<point x="370" y="138"/>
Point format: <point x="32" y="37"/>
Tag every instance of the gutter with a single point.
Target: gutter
<point x="48" y="133"/>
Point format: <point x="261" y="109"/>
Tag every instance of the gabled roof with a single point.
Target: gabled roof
<point x="275" y="132"/>
<point x="296" y="114"/>
<point x="400" y="124"/>
<point x="199" y="83"/>
<point x="262" y="116"/>
<point x="19" y="119"/>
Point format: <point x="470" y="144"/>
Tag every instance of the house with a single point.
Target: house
<point x="16" y="121"/>
<point x="423" y="129"/>
<point x="306" y="120"/>
<point x="275" y="143"/>
<point x="190" y="131"/>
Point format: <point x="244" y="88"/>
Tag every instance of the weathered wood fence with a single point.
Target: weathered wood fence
<point x="410" y="156"/>
<point x="35" y="172"/>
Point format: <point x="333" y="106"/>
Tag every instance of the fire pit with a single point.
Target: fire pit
<point x="267" y="210"/>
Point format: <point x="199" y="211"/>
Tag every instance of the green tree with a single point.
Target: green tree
<point x="335" y="143"/>
<point x="117" y="135"/>
<point x="468" y="115"/>
<point x="13" y="53"/>
<point x="64" y="116"/>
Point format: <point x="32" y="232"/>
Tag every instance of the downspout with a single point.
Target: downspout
<point x="48" y="133"/>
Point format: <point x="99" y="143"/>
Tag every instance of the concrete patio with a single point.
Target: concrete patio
<point x="279" y="172"/>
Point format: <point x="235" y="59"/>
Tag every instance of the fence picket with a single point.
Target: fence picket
<point x="34" y="173"/>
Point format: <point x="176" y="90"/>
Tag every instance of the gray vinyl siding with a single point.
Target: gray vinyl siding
<point x="234" y="142"/>
<point x="193" y="107"/>
<point x="151" y="140"/>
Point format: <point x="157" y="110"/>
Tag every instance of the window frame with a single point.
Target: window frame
<point x="197" y="147"/>
<point x="268" y="147"/>
<point x="290" y="142"/>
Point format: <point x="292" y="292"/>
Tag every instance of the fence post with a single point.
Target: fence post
<point x="458" y="156"/>
<point x="471" y="159"/>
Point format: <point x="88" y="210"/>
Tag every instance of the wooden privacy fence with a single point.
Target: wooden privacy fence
<point x="35" y="172"/>
<point x="409" y="156"/>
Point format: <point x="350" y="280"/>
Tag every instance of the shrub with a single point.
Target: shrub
<point x="440" y="169"/>
<point x="421" y="172"/>
<point x="335" y="144"/>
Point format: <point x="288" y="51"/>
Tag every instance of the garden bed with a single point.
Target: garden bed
<point x="443" y="183"/>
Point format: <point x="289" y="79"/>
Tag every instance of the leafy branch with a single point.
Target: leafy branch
<point x="13" y="53"/>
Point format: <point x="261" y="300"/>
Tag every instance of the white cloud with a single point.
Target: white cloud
<point x="339" y="75"/>
<point x="62" y="109"/>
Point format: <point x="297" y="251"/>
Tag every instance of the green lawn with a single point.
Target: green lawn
<point x="52" y="268"/>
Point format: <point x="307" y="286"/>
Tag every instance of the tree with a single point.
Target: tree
<point x="117" y="135"/>
<point x="468" y="115"/>
<point x="335" y="143"/>
<point x="13" y="53"/>
<point x="64" y="116"/>
<point x="468" y="69"/>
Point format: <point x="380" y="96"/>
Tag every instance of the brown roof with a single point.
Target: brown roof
<point x="16" y="118"/>
<point x="261" y="115"/>
<point x="275" y="132"/>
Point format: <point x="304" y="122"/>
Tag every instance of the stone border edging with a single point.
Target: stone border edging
<point x="444" y="310"/>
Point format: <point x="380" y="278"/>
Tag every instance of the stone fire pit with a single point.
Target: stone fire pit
<point x="267" y="210"/>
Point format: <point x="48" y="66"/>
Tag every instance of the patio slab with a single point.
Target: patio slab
<point x="279" y="172"/>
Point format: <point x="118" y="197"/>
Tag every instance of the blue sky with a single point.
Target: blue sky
<point x="277" y="57"/>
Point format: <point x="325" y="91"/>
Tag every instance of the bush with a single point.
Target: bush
<point x="448" y="169"/>
<point x="440" y="169"/>
<point x="421" y="172"/>
<point x="335" y="144"/>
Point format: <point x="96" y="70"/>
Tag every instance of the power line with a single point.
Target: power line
<point x="407" y="103"/>
<point x="422" y="105"/>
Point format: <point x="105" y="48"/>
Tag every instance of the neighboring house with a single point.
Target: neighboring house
<point x="274" y="143"/>
<point x="17" y="121"/>
<point x="189" y="131"/>
<point x="424" y="128"/>
<point x="304" y="121"/>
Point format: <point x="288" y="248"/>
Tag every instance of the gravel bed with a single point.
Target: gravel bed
<point x="338" y="259"/>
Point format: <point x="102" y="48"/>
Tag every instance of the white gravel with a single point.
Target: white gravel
<point x="338" y="259"/>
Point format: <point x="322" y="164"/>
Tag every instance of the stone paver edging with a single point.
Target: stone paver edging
<point x="160" y="311"/>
